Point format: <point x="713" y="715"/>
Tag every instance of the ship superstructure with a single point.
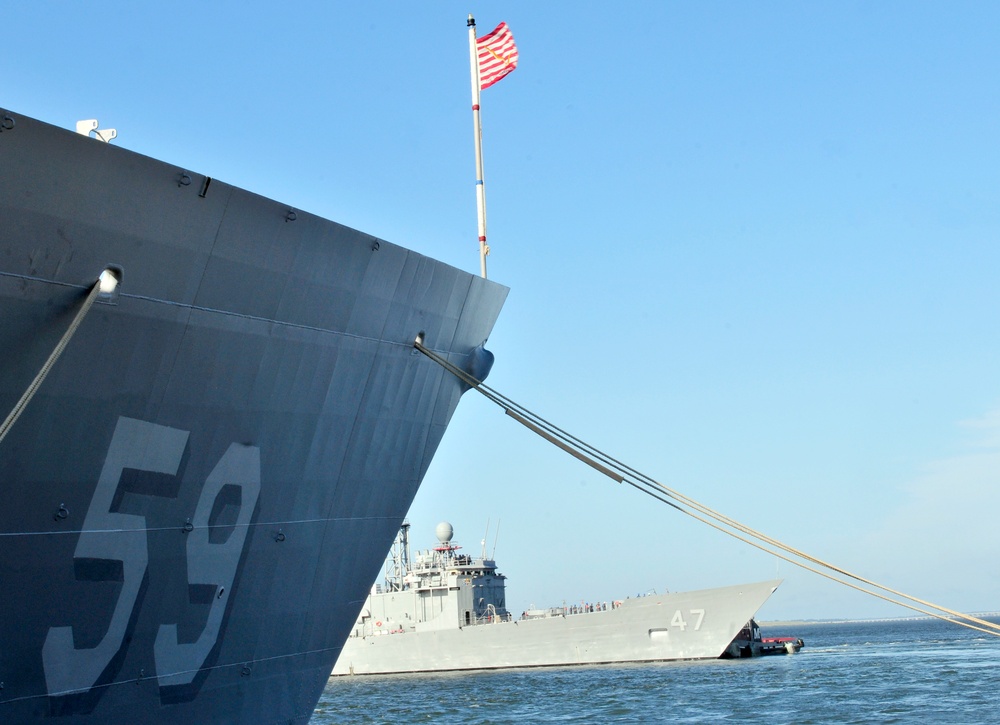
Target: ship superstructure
<point x="440" y="588"/>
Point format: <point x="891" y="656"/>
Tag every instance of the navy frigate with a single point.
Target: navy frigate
<point x="208" y="452"/>
<point x="443" y="610"/>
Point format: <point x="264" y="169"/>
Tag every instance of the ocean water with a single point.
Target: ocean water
<point x="852" y="672"/>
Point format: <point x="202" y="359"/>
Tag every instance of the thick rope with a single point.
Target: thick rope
<point x="622" y="473"/>
<point x="14" y="414"/>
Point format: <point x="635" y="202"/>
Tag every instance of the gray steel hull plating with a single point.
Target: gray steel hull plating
<point x="202" y="490"/>
<point x="652" y="628"/>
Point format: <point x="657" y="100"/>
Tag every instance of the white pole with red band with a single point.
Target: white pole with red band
<point x="478" y="132"/>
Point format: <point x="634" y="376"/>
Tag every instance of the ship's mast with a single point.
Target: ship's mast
<point x="400" y="554"/>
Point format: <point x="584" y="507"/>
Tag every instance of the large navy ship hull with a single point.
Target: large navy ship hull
<point x="198" y="495"/>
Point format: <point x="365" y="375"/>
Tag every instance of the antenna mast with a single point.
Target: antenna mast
<point x="400" y="555"/>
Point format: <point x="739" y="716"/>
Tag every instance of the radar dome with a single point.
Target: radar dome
<point x="444" y="532"/>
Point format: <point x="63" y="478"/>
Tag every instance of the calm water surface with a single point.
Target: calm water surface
<point x="858" y="672"/>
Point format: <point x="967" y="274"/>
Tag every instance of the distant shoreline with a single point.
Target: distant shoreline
<point x="867" y="620"/>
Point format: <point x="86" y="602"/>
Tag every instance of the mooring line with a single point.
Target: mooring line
<point x="100" y="285"/>
<point x="622" y="473"/>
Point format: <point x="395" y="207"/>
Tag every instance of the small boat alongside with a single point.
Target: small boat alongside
<point x="750" y="643"/>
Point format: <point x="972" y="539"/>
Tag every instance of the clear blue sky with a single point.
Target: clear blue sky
<point x="752" y="251"/>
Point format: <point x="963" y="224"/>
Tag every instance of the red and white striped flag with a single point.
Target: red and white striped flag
<point x="497" y="55"/>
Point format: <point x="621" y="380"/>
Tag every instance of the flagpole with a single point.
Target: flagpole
<point x="478" y="132"/>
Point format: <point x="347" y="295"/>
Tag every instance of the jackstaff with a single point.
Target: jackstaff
<point x="490" y="58"/>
